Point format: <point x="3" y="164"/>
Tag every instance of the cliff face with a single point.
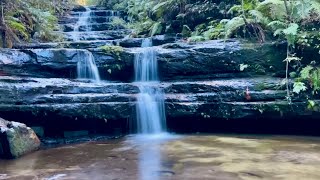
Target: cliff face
<point x="211" y="86"/>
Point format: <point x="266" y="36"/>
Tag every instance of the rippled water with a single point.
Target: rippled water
<point x="174" y="157"/>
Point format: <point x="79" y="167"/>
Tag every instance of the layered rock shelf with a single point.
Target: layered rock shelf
<point x="207" y="85"/>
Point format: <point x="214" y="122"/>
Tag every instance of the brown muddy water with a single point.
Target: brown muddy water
<point x="174" y="157"/>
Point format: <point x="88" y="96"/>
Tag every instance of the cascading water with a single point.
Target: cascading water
<point x="86" y="67"/>
<point x="113" y="14"/>
<point x="83" y="21"/>
<point x="150" y="106"/>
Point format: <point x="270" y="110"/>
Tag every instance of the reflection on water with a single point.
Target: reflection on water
<point x="175" y="158"/>
<point x="150" y="159"/>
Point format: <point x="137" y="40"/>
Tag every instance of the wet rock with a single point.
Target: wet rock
<point x="17" y="139"/>
<point x="214" y="58"/>
<point x="71" y="105"/>
<point x="93" y="27"/>
<point x="136" y="42"/>
<point x="97" y="35"/>
<point x="86" y="44"/>
<point x="180" y="60"/>
<point x="70" y="134"/>
<point x="94" y="19"/>
<point x="38" y="130"/>
<point x="102" y="12"/>
<point x="79" y="8"/>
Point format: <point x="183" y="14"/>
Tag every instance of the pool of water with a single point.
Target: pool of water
<point x="174" y="157"/>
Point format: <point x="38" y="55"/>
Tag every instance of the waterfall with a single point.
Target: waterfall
<point x="83" y="21"/>
<point x="86" y="66"/>
<point x="150" y="106"/>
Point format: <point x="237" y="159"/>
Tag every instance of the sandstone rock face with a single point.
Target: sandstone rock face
<point x="177" y="61"/>
<point x="16" y="139"/>
<point x="60" y="104"/>
<point x="210" y="86"/>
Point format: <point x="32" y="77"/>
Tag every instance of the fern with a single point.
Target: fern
<point x="156" y="29"/>
<point x="18" y="27"/>
<point x="259" y="17"/>
<point x="277" y="26"/>
<point x="299" y="87"/>
<point x="312" y="76"/>
<point x="315" y="80"/>
<point x="232" y="25"/>
<point x="160" y="8"/>
<point x="291" y="33"/>
<point x="305" y="72"/>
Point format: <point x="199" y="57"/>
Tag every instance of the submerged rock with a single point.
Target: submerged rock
<point x="16" y="139"/>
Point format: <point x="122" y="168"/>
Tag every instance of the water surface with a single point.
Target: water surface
<point x="174" y="157"/>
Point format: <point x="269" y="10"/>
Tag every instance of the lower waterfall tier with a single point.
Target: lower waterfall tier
<point x="61" y="104"/>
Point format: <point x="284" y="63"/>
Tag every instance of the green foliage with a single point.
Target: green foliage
<point x="114" y="51"/>
<point x="312" y="105"/>
<point x="233" y="25"/>
<point x="147" y="16"/>
<point x="156" y="29"/>
<point x="18" y="27"/>
<point x="22" y="20"/>
<point x="309" y="76"/>
<point x="118" y="22"/>
<point x="196" y="39"/>
<point x="299" y="87"/>
<point x="186" y="31"/>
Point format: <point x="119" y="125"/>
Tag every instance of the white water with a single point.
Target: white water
<point x="86" y="66"/>
<point x="150" y="106"/>
<point x="113" y="14"/>
<point x="84" y="21"/>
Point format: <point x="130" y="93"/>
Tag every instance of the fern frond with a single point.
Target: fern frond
<point x="259" y="17"/>
<point x="160" y="8"/>
<point x="277" y="26"/>
<point x="232" y="25"/>
<point x="18" y="27"/>
<point x="274" y="9"/>
<point x="234" y="9"/>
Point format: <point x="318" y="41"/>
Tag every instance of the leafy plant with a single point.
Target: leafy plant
<point x="21" y="20"/>
<point x="309" y="77"/>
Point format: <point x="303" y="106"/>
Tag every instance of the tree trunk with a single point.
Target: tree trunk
<point x="2" y="26"/>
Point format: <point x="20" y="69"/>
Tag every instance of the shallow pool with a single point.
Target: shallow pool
<point x="174" y="157"/>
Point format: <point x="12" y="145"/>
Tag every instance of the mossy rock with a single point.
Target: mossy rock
<point x="114" y="51"/>
<point x="17" y="139"/>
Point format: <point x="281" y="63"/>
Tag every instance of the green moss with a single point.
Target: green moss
<point x="114" y="67"/>
<point x="111" y="49"/>
<point x="114" y="51"/>
<point x="260" y="86"/>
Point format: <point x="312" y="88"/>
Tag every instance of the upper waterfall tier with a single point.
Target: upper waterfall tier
<point x="90" y="23"/>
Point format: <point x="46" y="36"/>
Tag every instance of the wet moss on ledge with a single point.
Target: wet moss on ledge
<point x="114" y="51"/>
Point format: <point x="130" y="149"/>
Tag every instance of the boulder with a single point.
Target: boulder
<point x="16" y="139"/>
